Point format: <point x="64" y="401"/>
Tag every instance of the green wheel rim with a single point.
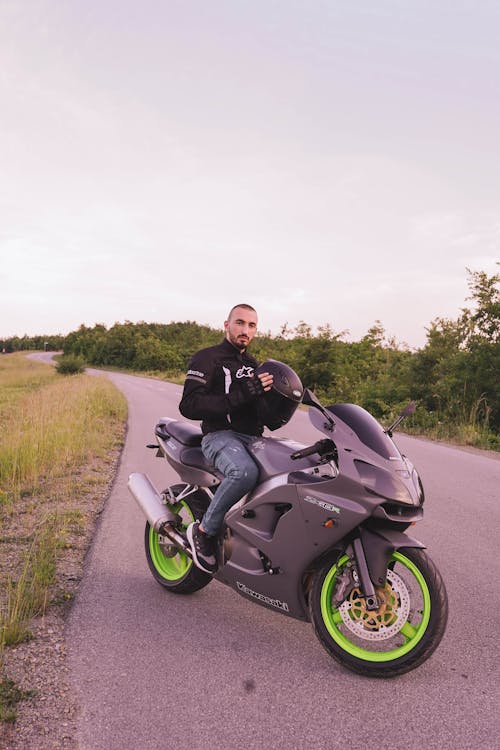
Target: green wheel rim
<point x="171" y="568"/>
<point x="333" y="620"/>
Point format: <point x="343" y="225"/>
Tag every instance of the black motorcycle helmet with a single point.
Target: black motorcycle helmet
<point x="277" y="406"/>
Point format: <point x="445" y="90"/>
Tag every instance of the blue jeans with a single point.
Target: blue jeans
<point x="226" y="450"/>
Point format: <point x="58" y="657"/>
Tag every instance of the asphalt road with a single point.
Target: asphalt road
<point x="155" y="670"/>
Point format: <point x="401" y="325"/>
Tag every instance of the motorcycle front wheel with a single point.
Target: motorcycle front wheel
<point x="393" y="639"/>
<point x="171" y="567"/>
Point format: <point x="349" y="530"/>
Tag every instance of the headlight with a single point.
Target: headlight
<point x="382" y="483"/>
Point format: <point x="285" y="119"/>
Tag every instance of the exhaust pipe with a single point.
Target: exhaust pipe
<point x="148" y="499"/>
<point x="159" y="515"/>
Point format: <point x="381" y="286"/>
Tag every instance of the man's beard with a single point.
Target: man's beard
<point x="241" y="342"/>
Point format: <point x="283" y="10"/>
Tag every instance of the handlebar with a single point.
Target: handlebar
<point x="322" y="447"/>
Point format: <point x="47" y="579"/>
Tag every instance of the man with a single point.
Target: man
<point x="222" y="390"/>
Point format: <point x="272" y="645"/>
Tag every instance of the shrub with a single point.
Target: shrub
<point x="70" y="364"/>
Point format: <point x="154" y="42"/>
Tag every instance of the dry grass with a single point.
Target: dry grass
<point x="51" y="426"/>
<point x="57" y="438"/>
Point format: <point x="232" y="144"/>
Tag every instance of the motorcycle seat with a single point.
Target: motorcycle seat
<point x="185" y="433"/>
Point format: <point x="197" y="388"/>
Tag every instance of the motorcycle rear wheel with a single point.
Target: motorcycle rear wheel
<point x="171" y="567"/>
<point x="396" y="638"/>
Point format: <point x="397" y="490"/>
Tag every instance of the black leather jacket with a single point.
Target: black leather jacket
<point x="219" y="390"/>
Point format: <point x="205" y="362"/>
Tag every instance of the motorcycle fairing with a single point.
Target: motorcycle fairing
<point x="292" y="519"/>
<point x="368" y="455"/>
<point x="279" y="523"/>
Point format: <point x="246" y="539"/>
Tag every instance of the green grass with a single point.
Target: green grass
<point x="466" y="429"/>
<point x="26" y="595"/>
<point x="10" y="696"/>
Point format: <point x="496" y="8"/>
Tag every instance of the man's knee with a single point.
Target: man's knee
<point x="245" y="474"/>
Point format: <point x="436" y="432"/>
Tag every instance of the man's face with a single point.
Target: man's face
<point x="241" y="327"/>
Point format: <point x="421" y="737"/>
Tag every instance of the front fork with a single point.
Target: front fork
<point x="363" y="574"/>
<point x="371" y="551"/>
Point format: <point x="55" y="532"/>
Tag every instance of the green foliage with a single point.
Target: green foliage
<point x="141" y="346"/>
<point x="31" y="343"/>
<point x="454" y="378"/>
<point x="70" y="364"/>
<point x="457" y="374"/>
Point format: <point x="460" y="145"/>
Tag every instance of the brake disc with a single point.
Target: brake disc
<point x="384" y="622"/>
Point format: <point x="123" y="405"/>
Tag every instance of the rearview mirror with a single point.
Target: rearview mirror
<point x="409" y="409"/>
<point x="309" y="399"/>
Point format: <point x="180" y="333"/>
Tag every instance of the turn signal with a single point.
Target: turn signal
<point x="329" y="523"/>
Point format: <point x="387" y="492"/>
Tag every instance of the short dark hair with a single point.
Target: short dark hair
<point x="244" y="306"/>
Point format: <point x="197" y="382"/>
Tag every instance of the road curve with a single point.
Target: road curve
<point x="154" y="670"/>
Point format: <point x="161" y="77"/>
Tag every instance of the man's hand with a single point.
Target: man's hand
<point x="257" y="386"/>
<point x="266" y="380"/>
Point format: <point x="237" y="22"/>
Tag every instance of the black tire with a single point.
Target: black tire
<point x="397" y="637"/>
<point x="172" y="568"/>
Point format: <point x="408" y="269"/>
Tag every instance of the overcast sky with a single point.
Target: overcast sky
<point x="327" y="161"/>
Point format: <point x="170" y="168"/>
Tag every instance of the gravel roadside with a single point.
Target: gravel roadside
<point x="47" y="720"/>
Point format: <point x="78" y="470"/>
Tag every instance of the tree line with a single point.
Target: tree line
<point x="454" y="378"/>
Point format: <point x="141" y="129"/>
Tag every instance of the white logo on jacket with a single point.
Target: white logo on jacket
<point x="244" y="372"/>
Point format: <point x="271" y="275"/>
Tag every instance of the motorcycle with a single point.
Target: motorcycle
<point x="321" y="538"/>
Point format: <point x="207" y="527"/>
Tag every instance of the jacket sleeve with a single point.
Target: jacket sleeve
<point x="199" y="400"/>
